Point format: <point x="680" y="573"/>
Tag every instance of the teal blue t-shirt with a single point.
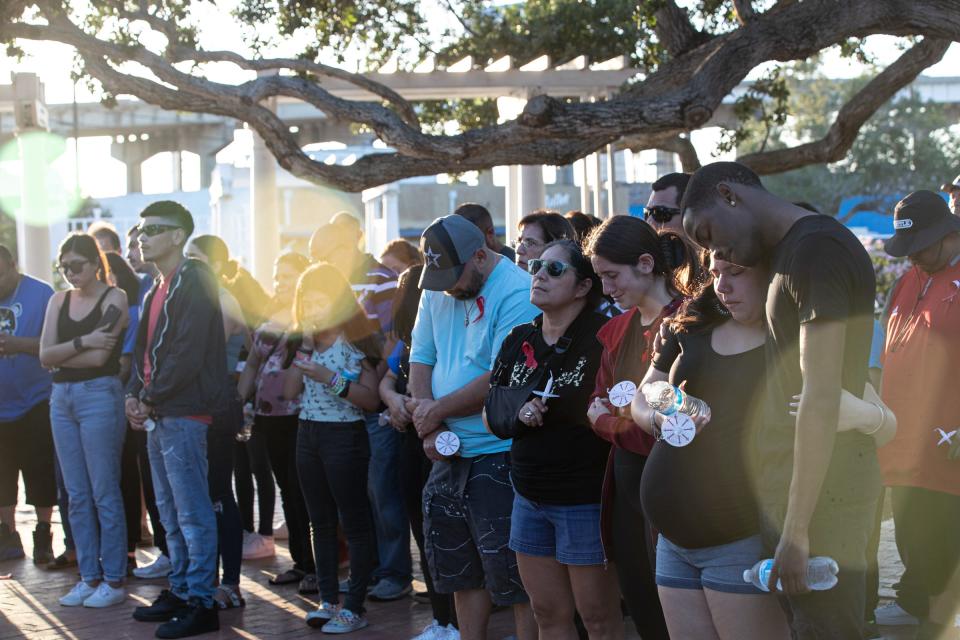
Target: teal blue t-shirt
<point x="460" y="339"/>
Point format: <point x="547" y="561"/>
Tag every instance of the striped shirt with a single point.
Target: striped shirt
<point x="375" y="287"/>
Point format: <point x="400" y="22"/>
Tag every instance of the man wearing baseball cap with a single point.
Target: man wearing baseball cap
<point x="472" y="298"/>
<point x="953" y="188"/>
<point x="921" y="356"/>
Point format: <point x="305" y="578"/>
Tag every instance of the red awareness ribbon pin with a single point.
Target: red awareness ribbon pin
<point x="527" y="350"/>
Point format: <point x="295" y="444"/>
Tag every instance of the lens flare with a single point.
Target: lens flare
<point x="36" y="183"/>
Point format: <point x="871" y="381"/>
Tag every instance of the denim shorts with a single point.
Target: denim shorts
<point x="717" y="568"/>
<point x="569" y="533"/>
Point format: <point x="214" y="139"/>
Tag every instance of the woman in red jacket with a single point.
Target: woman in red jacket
<point x="646" y="275"/>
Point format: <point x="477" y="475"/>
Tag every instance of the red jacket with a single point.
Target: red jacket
<point x="621" y="432"/>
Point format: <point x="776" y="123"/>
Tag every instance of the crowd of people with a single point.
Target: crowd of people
<point x="493" y="401"/>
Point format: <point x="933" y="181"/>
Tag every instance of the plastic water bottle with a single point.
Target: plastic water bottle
<point x="668" y="399"/>
<point x="821" y="574"/>
<point x="247" y="429"/>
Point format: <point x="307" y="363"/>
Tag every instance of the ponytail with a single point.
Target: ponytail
<point x="623" y="239"/>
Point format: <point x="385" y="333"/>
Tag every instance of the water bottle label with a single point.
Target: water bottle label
<point x="766" y="567"/>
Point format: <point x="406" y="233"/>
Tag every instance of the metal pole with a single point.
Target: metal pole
<point x="611" y="181"/>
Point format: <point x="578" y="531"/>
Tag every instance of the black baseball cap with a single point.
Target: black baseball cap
<point x="447" y="245"/>
<point x="920" y="220"/>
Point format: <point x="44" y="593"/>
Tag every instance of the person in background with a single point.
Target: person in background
<point x="375" y="286"/>
<point x="472" y="298"/>
<point x="276" y="416"/>
<point x="557" y="462"/>
<point x="414" y="465"/>
<point x="160" y="567"/>
<point x="537" y="230"/>
<point x="922" y="463"/>
<point x="663" y="207"/>
<point x="582" y="224"/>
<point x="953" y="191"/>
<point x="480" y="216"/>
<point x="336" y="371"/>
<point x="399" y="255"/>
<point x="250" y="457"/>
<point x="26" y="441"/>
<point x="107" y="237"/>
<point x="818" y="489"/>
<point x="82" y="335"/>
<point x="178" y="383"/>
<point x="123" y="277"/>
<point x="647" y="275"/>
<point x="221" y="436"/>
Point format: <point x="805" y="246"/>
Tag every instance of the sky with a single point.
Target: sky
<point x="101" y="176"/>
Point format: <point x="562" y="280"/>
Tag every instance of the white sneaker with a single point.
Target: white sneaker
<point x="80" y="592"/>
<point x="893" y="615"/>
<point x="257" y="546"/>
<point x="159" y="568"/>
<point x="432" y="631"/>
<point x="105" y="596"/>
<point x="281" y="532"/>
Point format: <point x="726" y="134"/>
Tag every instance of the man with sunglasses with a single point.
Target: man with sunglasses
<point x="178" y="382"/>
<point x="472" y="298"/>
<point x="26" y="442"/>
<point x="663" y="208"/>
<point x="922" y="463"/>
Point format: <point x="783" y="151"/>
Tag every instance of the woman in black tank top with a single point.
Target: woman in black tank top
<point x="81" y="343"/>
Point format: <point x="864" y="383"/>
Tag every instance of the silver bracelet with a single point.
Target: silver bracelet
<point x="883" y="418"/>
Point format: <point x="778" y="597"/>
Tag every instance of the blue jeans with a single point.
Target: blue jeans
<point x="387" y="500"/>
<point x="88" y="429"/>
<point x="178" y="460"/>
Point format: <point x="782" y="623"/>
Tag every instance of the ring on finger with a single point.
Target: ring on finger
<point x="528" y="414"/>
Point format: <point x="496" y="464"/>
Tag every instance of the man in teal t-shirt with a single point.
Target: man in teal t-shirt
<point x="472" y="298"/>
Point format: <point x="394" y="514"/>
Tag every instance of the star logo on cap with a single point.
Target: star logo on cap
<point x="432" y="258"/>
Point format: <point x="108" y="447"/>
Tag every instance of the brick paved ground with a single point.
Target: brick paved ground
<point x="29" y="607"/>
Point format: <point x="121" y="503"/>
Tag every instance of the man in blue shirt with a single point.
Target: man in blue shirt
<point x="26" y="443"/>
<point x="472" y="298"/>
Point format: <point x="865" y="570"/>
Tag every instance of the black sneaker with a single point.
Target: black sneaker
<point x="42" y="544"/>
<point x="191" y="621"/>
<point x="10" y="546"/>
<point x="163" y="608"/>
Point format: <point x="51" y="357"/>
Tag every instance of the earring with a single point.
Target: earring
<point x="731" y="203"/>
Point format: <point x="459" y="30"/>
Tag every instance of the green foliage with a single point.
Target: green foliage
<point x="906" y="145"/>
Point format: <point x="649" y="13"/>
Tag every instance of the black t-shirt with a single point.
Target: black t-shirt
<point x="819" y="272"/>
<point x="563" y="461"/>
<point x="704" y="494"/>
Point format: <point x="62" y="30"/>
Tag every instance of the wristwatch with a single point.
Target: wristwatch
<point x="78" y="343"/>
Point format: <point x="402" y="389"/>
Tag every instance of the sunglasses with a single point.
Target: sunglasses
<point x="555" y="268"/>
<point x="660" y="214"/>
<point x="151" y="230"/>
<point x="74" y="267"/>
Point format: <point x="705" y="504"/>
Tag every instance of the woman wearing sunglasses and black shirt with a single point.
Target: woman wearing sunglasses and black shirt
<point x="540" y="390"/>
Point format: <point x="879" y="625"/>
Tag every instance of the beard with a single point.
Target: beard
<point x="472" y="289"/>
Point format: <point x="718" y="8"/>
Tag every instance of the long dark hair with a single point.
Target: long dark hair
<point x="407" y="302"/>
<point x="124" y="277"/>
<point x="583" y="268"/>
<point x="85" y="245"/>
<point x="702" y="310"/>
<point x="348" y="317"/>
<point x="622" y="240"/>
